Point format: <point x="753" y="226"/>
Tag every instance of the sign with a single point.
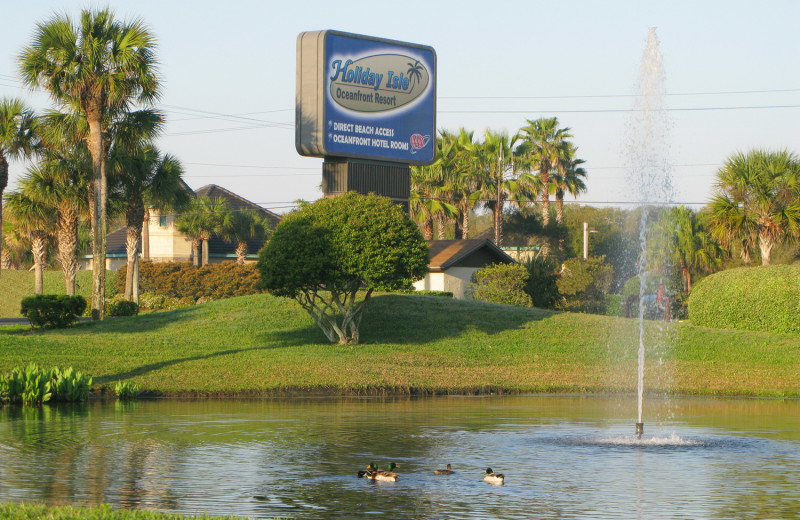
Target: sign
<point x="365" y="97"/>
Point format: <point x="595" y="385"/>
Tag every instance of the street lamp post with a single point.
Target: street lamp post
<point x="586" y="232"/>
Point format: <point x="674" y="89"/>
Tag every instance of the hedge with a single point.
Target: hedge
<point x="184" y="280"/>
<point x="765" y="298"/>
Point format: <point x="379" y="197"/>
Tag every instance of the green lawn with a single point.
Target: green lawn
<point x="16" y="285"/>
<point x="259" y="345"/>
<point x="39" y="511"/>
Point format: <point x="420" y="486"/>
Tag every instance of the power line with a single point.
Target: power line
<point x="592" y="96"/>
<point x="611" y="110"/>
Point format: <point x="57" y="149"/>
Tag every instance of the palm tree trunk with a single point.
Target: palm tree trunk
<point x="559" y="206"/>
<point x="146" y="235"/>
<point x="196" y="252"/>
<point x="93" y="115"/>
<point x="545" y="197"/>
<point x="3" y="184"/>
<point x="39" y="252"/>
<point x="205" y="253"/>
<point x="134" y="217"/>
<point x="67" y="238"/>
<point x="241" y="252"/>
<point x="427" y="227"/>
<point x="765" y="244"/>
<point x="440" y="226"/>
<point x="5" y="260"/>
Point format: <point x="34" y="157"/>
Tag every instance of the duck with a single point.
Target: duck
<point x="384" y="475"/>
<point x="447" y="471"/>
<point x="371" y="468"/>
<point x="492" y="477"/>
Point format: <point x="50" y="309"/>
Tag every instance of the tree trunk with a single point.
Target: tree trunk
<point x="93" y="115"/>
<point x="67" y="238"/>
<point x="545" y="197"/>
<point x="39" y="252"/>
<point x="465" y="224"/>
<point x="136" y="281"/>
<point x="241" y="252"/>
<point x="560" y="206"/>
<point x="5" y="260"/>
<point x="196" y="252"/>
<point x="3" y="184"/>
<point x="134" y="217"/>
<point x="765" y="244"/>
<point x="440" y="227"/>
<point x="427" y="227"/>
<point x="205" y="252"/>
<point x="146" y="235"/>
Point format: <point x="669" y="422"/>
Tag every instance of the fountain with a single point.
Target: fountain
<point x="649" y="173"/>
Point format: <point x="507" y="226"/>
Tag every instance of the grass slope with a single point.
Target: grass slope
<point x="16" y="285"/>
<point x="261" y="345"/>
<point x="104" y="512"/>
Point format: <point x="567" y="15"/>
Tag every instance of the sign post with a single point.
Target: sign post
<point x="368" y="107"/>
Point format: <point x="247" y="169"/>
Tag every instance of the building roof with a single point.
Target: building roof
<point x="445" y="254"/>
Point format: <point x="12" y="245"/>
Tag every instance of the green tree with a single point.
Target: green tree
<point x="17" y="139"/>
<point x="202" y="218"/>
<point x="568" y="178"/>
<point x="36" y="220"/>
<point x="544" y="150"/>
<point x="502" y="283"/>
<point x="757" y="201"/>
<point x="239" y="227"/>
<point x="147" y="178"/>
<point x="100" y="65"/>
<point x="326" y="252"/>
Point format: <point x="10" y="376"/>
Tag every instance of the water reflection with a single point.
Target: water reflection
<point x="563" y="457"/>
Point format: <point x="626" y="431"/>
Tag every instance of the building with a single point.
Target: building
<point x="453" y="262"/>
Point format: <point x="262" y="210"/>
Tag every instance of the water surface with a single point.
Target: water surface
<point x="563" y="457"/>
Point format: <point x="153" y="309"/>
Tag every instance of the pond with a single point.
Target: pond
<point x="563" y="457"/>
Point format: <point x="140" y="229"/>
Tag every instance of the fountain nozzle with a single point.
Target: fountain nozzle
<point x="639" y="429"/>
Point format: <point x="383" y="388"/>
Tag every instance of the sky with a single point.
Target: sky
<point x="732" y="73"/>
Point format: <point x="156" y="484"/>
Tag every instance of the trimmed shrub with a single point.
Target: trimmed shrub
<point x="122" y="308"/>
<point x="765" y="298"/>
<point x="184" y="280"/>
<point x="441" y="294"/>
<point x="501" y="283"/>
<point x="542" y="285"/>
<point x="584" y="284"/>
<point x="52" y="310"/>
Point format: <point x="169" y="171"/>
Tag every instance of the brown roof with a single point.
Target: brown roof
<point x="235" y="201"/>
<point x="445" y="254"/>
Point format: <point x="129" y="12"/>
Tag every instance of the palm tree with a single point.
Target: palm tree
<point x="501" y="181"/>
<point x="58" y="182"/>
<point x="461" y="176"/>
<point x="146" y="178"/>
<point x="240" y="226"/>
<point x="202" y="219"/>
<point x="101" y="65"/>
<point x="544" y="147"/>
<point x="36" y="220"/>
<point x="757" y="201"/>
<point x="427" y="198"/>
<point x="568" y="178"/>
<point x="17" y="139"/>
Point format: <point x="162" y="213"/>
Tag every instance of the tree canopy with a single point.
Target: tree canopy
<point x="327" y="253"/>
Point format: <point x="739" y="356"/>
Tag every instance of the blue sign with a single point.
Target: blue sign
<point x="378" y="99"/>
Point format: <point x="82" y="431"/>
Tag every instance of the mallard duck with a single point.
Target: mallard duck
<point x="492" y="477"/>
<point x="371" y="468"/>
<point x="385" y="475"/>
<point x="447" y="471"/>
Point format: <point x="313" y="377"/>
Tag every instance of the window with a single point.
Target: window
<point x="162" y="221"/>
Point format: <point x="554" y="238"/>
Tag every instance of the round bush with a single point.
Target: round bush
<point x="765" y="298"/>
<point x="501" y="283"/>
<point x="123" y="308"/>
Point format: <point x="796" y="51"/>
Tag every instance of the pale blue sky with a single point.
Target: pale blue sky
<point x="228" y="72"/>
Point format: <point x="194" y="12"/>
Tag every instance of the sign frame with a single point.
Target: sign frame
<point x="356" y="97"/>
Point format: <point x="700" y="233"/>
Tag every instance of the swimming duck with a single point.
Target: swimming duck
<point x="493" y="478"/>
<point x="385" y="475"/>
<point x="447" y="471"/>
<point x="371" y="468"/>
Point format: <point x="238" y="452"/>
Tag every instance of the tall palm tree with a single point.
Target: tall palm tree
<point x="17" y="139"/>
<point x="501" y="180"/>
<point x="36" y="220"/>
<point x="544" y="150"/>
<point x="461" y="176"/>
<point x="146" y="178"/>
<point x="568" y="178"/>
<point x="201" y="220"/>
<point x="101" y="65"/>
<point x="241" y="226"/>
<point x="427" y="199"/>
<point x="58" y="182"/>
<point x="757" y="201"/>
